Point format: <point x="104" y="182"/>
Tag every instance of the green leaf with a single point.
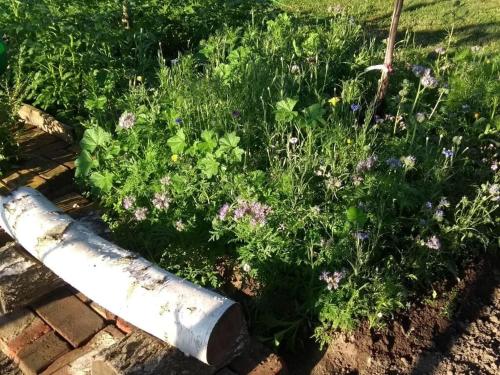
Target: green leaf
<point x="209" y="166"/>
<point x="356" y="216"/>
<point x="102" y="181"/>
<point x="229" y="141"/>
<point x="314" y="114"/>
<point x="284" y="110"/>
<point x="93" y="138"/>
<point x="84" y="164"/>
<point x="209" y="141"/>
<point x="177" y="143"/>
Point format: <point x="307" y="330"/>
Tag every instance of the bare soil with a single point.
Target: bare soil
<point x="457" y="332"/>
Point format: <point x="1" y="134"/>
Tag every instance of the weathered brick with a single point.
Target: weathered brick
<point x="69" y="316"/>
<point x="140" y="353"/>
<point x="258" y="360"/>
<point x="79" y="361"/>
<point x="105" y="314"/>
<point x="124" y="325"/>
<point x="23" y="279"/>
<point x="7" y="366"/>
<point x="19" y="329"/>
<point x="41" y="353"/>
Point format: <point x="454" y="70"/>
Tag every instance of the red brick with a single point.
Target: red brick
<point x="107" y="315"/>
<point x="124" y="326"/>
<point x="19" y="329"/>
<point x="79" y="361"/>
<point x="70" y="317"/>
<point x="40" y="354"/>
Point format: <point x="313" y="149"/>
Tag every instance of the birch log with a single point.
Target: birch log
<point x="199" y="322"/>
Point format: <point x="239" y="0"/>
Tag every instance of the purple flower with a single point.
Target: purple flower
<point x="447" y="153"/>
<point x="236" y="114"/>
<point x="367" y="164"/>
<point x="161" y="201"/>
<point x="428" y="205"/>
<point x="178" y="121"/>
<point x="394" y="163"/>
<point x="128" y="202"/>
<point x="361" y="236"/>
<point x="418" y="70"/>
<point x="127" y="120"/>
<point x="223" y="211"/>
<point x="428" y="81"/>
<point x="256" y="211"/>
<point x="355" y="107"/>
<point x="433" y="243"/>
<point x="141" y="213"/>
<point x="332" y="280"/>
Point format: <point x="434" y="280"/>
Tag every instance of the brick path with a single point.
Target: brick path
<point x="64" y="331"/>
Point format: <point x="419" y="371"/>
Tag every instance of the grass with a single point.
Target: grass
<point x="475" y="21"/>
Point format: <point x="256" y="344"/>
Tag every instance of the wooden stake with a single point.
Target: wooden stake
<point x="389" y="53"/>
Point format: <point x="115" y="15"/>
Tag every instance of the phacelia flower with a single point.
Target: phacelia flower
<point x="420" y="117"/>
<point x="418" y="70"/>
<point x="141" y="213"/>
<point x="127" y="120"/>
<point x="161" y="201"/>
<point x="433" y="242"/>
<point x="447" y="153"/>
<point x="428" y="205"/>
<point x="223" y="211"/>
<point x="256" y="211"/>
<point x="332" y="279"/>
<point x="494" y="166"/>
<point x="361" y="236"/>
<point x="333" y="183"/>
<point x="178" y="121"/>
<point x="367" y="164"/>
<point x="394" y="163"/>
<point x="128" y="202"/>
<point x="355" y="107"/>
<point x="378" y="119"/>
<point x="293" y="140"/>
<point x="494" y="191"/>
<point x="428" y="81"/>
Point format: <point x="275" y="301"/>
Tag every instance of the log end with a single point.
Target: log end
<point x="227" y="336"/>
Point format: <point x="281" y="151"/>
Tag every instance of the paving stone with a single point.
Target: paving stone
<point x="69" y="316"/>
<point x="41" y="353"/>
<point x="23" y="279"/>
<point x="79" y="361"/>
<point x="258" y="360"/>
<point x="140" y="353"/>
<point x="19" y="329"/>
<point x="53" y="172"/>
<point x="72" y="201"/>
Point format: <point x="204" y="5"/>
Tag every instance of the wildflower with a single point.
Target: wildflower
<point x="256" y="211"/>
<point x="316" y="210"/>
<point x="378" y="119"/>
<point x="420" y="117"/>
<point x="440" y="50"/>
<point x="319" y="173"/>
<point x="332" y="280"/>
<point x="361" y="236"/>
<point x="334" y="101"/>
<point x="174" y="158"/>
<point x="349" y="141"/>
<point x="127" y="120"/>
<point x="178" y="121"/>
<point x="161" y="201"/>
<point x="246" y="267"/>
<point x="438" y="215"/>
<point x="428" y="205"/>
<point x="409" y="161"/>
<point x="236" y="114"/>
<point x="223" y="211"/>
<point x="180" y="226"/>
<point x="355" y="107"/>
<point x="494" y="191"/>
<point x="394" y="163"/>
<point x="475" y="49"/>
<point x="433" y="242"/>
<point x="141" y="213"/>
<point x="174" y="61"/>
<point x="418" y="70"/>
<point x="428" y="81"/>
<point x="293" y="140"/>
<point x="281" y="227"/>
<point x="367" y="164"/>
<point x="477" y="115"/>
<point x="357" y="180"/>
<point x="494" y="166"/>
<point x="128" y="202"/>
<point x="333" y="183"/>
<point x="447" y="153"/>
<point x="165" y="181"/>
<point x="295" y="69"/>
<point x="443" y="203"/>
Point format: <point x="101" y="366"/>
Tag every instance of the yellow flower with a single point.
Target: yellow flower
<point x="174" y="158"/>
<point x="334" y="101"/>
<point x="349" y="141"/>
<point x="477" y="115"/>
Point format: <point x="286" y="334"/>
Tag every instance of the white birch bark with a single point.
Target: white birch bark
<point x="199" y="322"/>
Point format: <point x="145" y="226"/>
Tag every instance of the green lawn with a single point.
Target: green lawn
<point x="475" y="21"/>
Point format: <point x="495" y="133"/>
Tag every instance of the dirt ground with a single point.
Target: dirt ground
<point x="458" y="332"/>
